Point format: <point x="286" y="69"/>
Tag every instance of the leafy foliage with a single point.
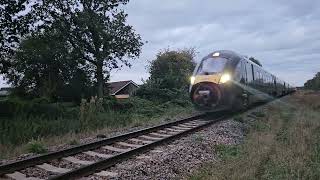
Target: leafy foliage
<point x="95" y="31"/>
<point x="38" y="120"/>
<point x="37" y="107"/>
<point x="172" y="69"/>
<point x="88" y="111"/>
<point x="44" y="66"/>
<point x="12" y="28"/>
<point x="169" y="76"/>
<point x="313" y="83"/>
<point x="36" y="147"/>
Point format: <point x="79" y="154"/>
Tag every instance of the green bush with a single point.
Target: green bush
<point x="36" y="107"/>
<point x="160" y="95"/>
<point x="26" y="120"/>
<point x="36" y="147"/>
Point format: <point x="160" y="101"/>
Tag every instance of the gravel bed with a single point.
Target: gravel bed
<point x="36" y="172"/>
<point x="105" y="151"/>
<point x="134" y="142"/>
<point x="86" y="157"/>
<point x="181" y="157"/>
<point x="121" y="131"/>
<point x="64" y="164"/>
<point x="175" y="160"/>
<point x="21" y="157"/>
<point x="120" y="146"/>
<point x="154" y="136"/>
<point x="94" y="138"/>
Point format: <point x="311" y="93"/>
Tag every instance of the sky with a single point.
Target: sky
<point x="282" y="34"/>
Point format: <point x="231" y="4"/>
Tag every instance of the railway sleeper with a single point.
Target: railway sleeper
<point x="180" y="128"/>
<point x="174" y="130"/>
<point x="20" y="176"/>
<point x="111" y="148"/>
<point x="139" y="140"/>
<point x="160" y="135"/>
<point x="77" y="161"/>
<point x="53" y="169"/>
<point x="167" y="132"/>
<point x="187" y="126"/>
<point x="150" y="138"/>
<point x="129" y="145"/>
<point x="95" y="154"/>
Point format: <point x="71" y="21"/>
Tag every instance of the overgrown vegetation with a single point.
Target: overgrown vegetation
<point x="226" y="152"/>
<point x="47" y="45"/>
<point x="313" y="83"/>
<point x="169" y="76"/>
<point x="284" y="144"/>
<point x="33" y="120"/>
<point x="36" y="147"/>
<point x="58" y="56"/>
<point x="25" y="119"/>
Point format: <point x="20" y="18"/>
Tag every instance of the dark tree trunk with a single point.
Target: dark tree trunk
<point x="100" y="80"/>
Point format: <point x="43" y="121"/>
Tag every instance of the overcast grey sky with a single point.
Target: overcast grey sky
<point x="282" y="34"/>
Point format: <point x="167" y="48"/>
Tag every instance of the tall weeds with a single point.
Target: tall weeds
<point x="89" y="112"/>
<point x="91" y="115"/>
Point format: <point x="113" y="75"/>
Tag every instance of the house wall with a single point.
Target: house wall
<point x="4" y="93"/>
<point x="130" y="89"/>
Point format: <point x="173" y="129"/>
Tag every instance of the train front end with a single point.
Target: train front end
<point x="210" y="83"/>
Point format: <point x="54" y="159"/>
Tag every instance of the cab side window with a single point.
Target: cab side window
<point x="237" y="72"/>
<point x="249" y="72"/>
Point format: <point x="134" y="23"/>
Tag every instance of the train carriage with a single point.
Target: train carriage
<point x="226" y="80"/>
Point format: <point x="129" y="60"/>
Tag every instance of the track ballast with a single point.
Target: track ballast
<point x="120" y="148"/>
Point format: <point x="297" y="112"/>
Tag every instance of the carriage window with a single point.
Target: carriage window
<point x="244" y="71"/>
<point x="249" y="72"/>
<point x="211" y="66"/>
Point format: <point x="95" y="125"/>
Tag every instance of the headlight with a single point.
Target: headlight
<point x="192" y="79"/>
<point x="225" y="78"/>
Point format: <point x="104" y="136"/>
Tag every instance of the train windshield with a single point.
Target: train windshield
<point x="211" y="66"/>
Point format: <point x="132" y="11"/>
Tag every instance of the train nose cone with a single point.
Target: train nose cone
<point x="206" y="95"/>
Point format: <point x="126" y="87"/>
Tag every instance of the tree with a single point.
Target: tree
<point x="313" y="83"/>
<point x="44" y="64"/>
<point x="95" y="29"/>
<point x="172" y="69"/>
<point x="169" y="75"/>
<point x="12" y="27"/>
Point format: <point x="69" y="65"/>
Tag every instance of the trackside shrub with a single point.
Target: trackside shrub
<point x="37" y="107"/>
<point x="88" y="111"/>
<point x="36" y="147"/>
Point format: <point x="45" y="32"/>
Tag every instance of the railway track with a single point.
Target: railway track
<point x="95" y="157"/>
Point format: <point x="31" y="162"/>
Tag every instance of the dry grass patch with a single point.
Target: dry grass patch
<point x="72" y="139"/>
<point x="284" y="144"/>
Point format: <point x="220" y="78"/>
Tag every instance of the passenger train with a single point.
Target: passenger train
<point x="226" y="80"/>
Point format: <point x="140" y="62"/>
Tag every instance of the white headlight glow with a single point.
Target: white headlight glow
<point x="225" y="78"/>
<point x="192" y="79"/>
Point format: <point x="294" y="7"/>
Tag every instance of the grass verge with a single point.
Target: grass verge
<point x="93" y="119"/>
<point x="283" y="144"/>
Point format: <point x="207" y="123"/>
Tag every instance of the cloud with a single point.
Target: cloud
<point x="281" y="33"/>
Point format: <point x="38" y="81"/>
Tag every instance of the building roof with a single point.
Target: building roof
<point x="119" y="85"/>
<point x="6" y="89"/>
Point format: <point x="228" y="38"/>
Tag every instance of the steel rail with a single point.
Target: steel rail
<point x="106" y="163"/>
<point x="22" y="164"/>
